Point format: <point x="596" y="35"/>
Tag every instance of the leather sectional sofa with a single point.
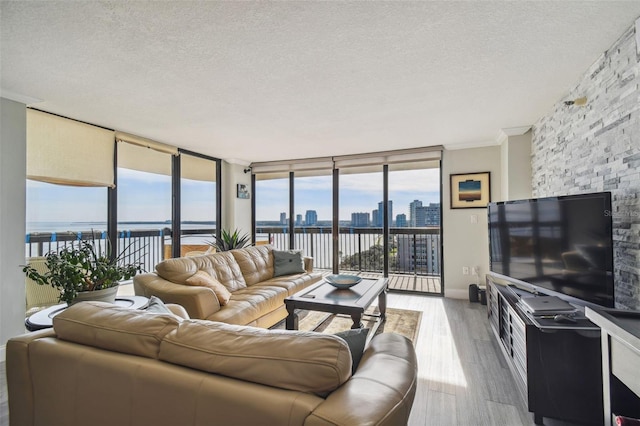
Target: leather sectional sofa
<point x="257" y="296"/>
<point x="102" y="364"/>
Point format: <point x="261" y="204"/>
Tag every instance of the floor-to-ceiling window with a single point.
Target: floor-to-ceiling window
<point x="313" y="209"/>
<point x="198" y="203"/>
<point x="272" y="209"/>
<point x="144" y="200"/>
<point x="415" y="242"/>
<point x="361" y="212"/>
<point x="386" y="210"/>
<point x="74" y="188"/>
<point x="53" y="210"/>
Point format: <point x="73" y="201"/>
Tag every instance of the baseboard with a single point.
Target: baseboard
<point x="3" y="353"/>
<point x="455" y="293"/>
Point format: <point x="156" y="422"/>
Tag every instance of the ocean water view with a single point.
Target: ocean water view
<point x="33" y="227"/>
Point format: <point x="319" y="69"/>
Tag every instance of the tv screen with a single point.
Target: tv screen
<point x="563" y="244"/>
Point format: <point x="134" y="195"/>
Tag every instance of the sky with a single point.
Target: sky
<point x="358" y="193"/>
<point x="147" y="197"/>
<point x="141" y="197"/>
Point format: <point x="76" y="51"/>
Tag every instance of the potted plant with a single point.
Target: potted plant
<point x="84" y="272"/>
<point x="230" y="241"/>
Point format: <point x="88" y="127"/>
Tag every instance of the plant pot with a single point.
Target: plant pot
<point x="105" y="295"/>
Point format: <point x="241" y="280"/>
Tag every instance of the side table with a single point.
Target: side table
<point x="44" y="318"/>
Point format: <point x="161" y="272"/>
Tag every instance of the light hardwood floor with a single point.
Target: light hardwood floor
<point x="463" y="379"/>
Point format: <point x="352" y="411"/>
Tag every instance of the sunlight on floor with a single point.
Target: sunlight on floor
<point x="444" y="368"/>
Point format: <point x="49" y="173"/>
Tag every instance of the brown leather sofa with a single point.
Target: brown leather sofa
<point x="257" y="296"/>
<point x="104" y="365"/>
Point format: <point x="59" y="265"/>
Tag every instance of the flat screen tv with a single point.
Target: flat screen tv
<point x="563" y="244"/>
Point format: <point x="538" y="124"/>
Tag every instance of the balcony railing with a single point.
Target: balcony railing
<point x="413" y="251"/>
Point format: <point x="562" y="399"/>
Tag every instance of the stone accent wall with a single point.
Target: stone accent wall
<point x="596" y="147"/>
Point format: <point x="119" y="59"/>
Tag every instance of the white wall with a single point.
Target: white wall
<point x="516" y="168"/>
<point x="466" y="243"/>
<point x="13" y="142"/>
<point x="236" y="212"/>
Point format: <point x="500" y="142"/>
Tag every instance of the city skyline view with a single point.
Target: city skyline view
<point x="359" y="193"/>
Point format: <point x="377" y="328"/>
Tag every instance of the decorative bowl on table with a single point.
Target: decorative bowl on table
<point x="342" y="281"/>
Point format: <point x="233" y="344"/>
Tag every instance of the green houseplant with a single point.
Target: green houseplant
<point x="230" y="240"/>
<point x="78" y="270"/>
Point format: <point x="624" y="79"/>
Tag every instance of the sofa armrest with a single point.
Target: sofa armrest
<point x="178" y="310"/>
<point x="308" y="264"/>
<point x="199" y="302"/>
<point x="380" y="392"/>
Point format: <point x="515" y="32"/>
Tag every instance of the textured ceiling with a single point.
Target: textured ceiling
<point x="258" y="81"/>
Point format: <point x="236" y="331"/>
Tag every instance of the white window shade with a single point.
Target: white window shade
<point x="196" y="168"/>
<point x="142" y="159"/>
<point x="306" y="164"/>
<point x="68" y="152"/>
<point x="370" y="162"/>
<point x="432" y="153"/>
<point x="146" y="143"/>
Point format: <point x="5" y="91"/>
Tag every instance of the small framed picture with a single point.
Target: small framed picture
<point x="243" y="191"/>
<point x="470" y="190"/>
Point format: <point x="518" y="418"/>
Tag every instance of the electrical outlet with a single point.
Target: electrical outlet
<point x="465" y="270"/>
<point x="476" y="270"/>
<point x="474" y="218"/>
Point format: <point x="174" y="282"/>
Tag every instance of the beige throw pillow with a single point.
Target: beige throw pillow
<point x="201" y="278"/>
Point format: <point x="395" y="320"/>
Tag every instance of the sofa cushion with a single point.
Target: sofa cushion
<point x="256" y="263"/>
<point x="223" y="267"/>
<point x="296" y="360"/>
<point x="176" y="270"/>
<point x="115" y="328"/>
<point x="201" y="278"/>
<point x="293" y="283"/>
<point x="287" y="263"/>
<point x="251" y="303"/>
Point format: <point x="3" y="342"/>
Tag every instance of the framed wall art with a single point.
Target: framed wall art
<point x="243" y="191"/>
<point x="470" y="190"/>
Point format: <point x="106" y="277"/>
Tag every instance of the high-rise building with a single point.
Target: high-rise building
<point x="376" y="218"/>
<point x="413" y="218"/>
<point x="310" y="218"/>
<point x="380" y="214"/>
<point x="432" y="214"/>
<point x="298" y="220"/>
<point x="359" y="220"/>
<point x="420" y="255"/>
<point x="427" y="215"/>
<point x="283" y="218"/>
<point x="401" y="221"/>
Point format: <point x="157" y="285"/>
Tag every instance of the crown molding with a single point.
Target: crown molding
<point x="18" y="97"/>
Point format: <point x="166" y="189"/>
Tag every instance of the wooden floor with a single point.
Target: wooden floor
<point x="405" y="282"/>
<point x="462" y="377"/>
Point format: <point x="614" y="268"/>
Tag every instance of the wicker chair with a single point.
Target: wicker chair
<point x="39" y="296"/>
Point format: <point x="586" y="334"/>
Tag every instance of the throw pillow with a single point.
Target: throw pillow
<point x="156" y="306"/>
<point x="201" y="278"/>
<point x="287" y="263"/>
<point x="356" y="339"/>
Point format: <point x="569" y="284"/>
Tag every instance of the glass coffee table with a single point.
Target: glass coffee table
<point x="44" y="318"/>
<point x="324" y="297"/>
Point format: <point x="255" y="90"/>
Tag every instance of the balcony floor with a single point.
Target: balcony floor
<point x="402" y="282"/>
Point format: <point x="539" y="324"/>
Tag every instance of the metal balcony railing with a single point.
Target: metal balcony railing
<point x="413" y="251"/>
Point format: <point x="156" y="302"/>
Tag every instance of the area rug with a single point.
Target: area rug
<point x="401" y="321"/>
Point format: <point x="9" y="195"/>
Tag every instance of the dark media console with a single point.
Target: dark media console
<point x="556" y="364"/>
